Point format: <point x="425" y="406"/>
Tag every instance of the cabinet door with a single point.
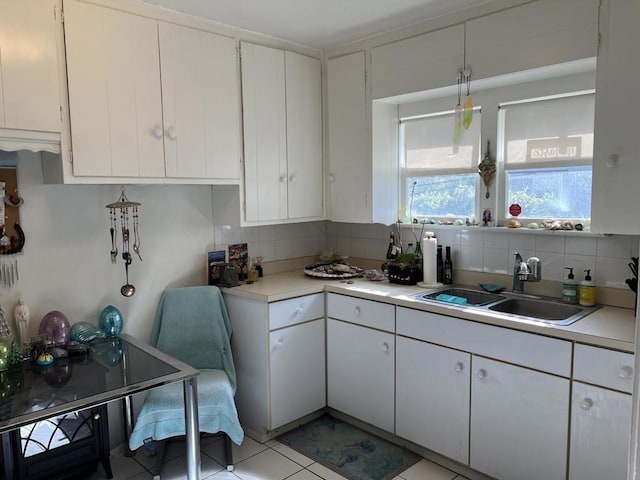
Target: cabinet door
<point x="538" y="34"/>
<point x="360" y="373"/>
<point x="265" y="137"/>
<point x="304" y="136"/>
<point x="349" y="143"/>
<point x="600" y="430"/>
<point x="29" y="85"/>
<point x="432" y="397"/>
<point x="297" y="371"/>
<point x="113" y="71"/>
<point x="201" y="103"/>
<point x="616" y="169"/>
<point x="519" y="422"/>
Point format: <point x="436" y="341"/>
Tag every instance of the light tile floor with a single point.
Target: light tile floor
<point x="253" y="461"/>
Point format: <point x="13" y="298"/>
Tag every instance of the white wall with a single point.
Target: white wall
<point x="66" y="264"/>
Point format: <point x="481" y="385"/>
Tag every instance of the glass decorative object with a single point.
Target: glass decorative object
<point x="111" y="321"/>
<point x="56" y="326"/>
<point x="5" y="342"/>
<point x="84" y="332"/>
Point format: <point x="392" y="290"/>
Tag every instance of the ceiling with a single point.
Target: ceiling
<point x="318" y="23"/>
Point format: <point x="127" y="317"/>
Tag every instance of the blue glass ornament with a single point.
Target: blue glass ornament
<point x="111" y="321"/>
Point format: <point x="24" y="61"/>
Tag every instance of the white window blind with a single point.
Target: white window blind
<point x="428" y="145"/>
<point x="546" y="133"/>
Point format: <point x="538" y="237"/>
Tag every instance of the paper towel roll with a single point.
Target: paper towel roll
<point x="429" y="251"/>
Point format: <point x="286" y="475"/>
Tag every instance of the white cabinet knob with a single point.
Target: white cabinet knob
<point x="292" y="178"/>
<point x="625" y="372"/>
<point x="332" y="177"/>
<point x="283" y="179"/>
<point x="612" y="161"/>
<point x="586" y="404"/>
<point x="157" y="131"/>
<point x="459" y="367"/>
<point x="171" y="133"/>
<point x="357" y="310"/>
<point x="482" y="374"/>
<point x="298" y="311"/>
<point x="385" y="347"/>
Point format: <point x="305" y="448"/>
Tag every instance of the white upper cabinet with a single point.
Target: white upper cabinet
<point x="616" y="165"/>
<point x="29" y="71"/>
<point x="533" y="35"/>
<point x="282" y="108"/>
<point x="115" y="101"/>
<point x="200" y="103"/>
<point x="150" y="99"/>
<point x="349" y="159"/>
<point x="419" y="63"/>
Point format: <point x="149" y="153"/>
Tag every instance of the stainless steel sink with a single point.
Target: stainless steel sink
<point x="509" y="305"/>
<point x="539" y="309"/>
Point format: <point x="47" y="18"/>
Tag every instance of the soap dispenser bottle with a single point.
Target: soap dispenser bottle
<point x="570" y="288"/>
<point x="587" y="291"/>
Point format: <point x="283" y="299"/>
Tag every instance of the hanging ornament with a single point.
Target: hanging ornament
<point x="487" y="168"/>
<point x="467" y="114"/>
<point x="457" y="117"/>
<point x="124" y="207"/>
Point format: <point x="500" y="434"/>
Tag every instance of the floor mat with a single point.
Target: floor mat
<point x="349" y="451"/>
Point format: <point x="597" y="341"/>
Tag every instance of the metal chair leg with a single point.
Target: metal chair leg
<point x="228" y="453"/>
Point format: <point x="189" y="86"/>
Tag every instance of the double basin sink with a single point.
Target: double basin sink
<point x="509" y="305"/>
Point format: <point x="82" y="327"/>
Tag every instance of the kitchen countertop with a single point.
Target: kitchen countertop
<point x="610" y="327"/>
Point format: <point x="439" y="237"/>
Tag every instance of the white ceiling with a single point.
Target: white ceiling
<point x="318" y="23"/>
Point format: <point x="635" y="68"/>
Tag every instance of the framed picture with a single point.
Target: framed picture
<point x="216" y="261"/>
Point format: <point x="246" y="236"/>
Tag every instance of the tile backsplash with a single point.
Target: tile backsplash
<point x="475" y="249"/>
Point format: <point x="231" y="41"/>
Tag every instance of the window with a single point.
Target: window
<point x="547" y="151"/>
<point x="435" y="180"/>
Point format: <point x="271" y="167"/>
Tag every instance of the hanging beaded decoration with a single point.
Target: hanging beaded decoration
<point x="124" y="206"/>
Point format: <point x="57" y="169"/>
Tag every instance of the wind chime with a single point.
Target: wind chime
<point x="128" y="212"/>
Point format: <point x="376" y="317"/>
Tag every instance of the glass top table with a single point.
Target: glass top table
<point x="113" y="370"/>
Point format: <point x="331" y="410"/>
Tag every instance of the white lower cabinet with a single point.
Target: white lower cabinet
<point x="432" y="397"/>
<point x="600" y="429"/>
<point x="519" y="422"/>
<point x="360" y="372"/>
<point x="279" y="355"/>
<point x="297" y="374"/>
<point x="600" y="416"/>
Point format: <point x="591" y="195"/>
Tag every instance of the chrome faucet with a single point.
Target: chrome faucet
<point x="529" y="271"/>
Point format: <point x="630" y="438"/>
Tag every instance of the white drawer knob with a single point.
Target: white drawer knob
<point x="298" y="311"/>
<point x="157" y="131"/>
<point x="459" y="367"/>
<point x="586" y="404"/>
<point x="283" y="179"/>
<point x="171" y="133"/>
<point x="332" y="177"/>
<point x="482" y="374"/>
<point x="385" y="347"/>
<point x="625" y="372"/>
<point x="292" y="178"/>
<point x="357" y="310"/>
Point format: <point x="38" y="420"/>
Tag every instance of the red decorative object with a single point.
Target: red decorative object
<point x="515" y="210"/>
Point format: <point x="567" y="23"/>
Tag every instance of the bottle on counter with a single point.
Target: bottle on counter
<point x="410" y="249"/>
<point x="587" y="291"/>
<point x="391" y="249"/>
<point x="448" y="268"/>
<point x="439" y="265"/>
<point x="570" y="288"/>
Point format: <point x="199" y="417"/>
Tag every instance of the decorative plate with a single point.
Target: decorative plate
<point x="332" y="270"/>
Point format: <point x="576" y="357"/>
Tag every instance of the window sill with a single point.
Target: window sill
<point x="521" y="230"/>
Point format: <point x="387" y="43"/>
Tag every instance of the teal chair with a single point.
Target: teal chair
<point x="193" y="326"/>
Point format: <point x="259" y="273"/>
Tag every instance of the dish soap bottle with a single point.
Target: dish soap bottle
<point x="587" y="291"/>
<point x="570" y="288"/>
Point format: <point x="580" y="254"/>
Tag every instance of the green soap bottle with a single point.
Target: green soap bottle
<point x="570" y="288"/>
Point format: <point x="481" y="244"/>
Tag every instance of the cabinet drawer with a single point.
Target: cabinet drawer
<point x="526" y="349"/>
<point x="296" y="310"/>
<point x="604" y="367"/>
<point x="360" y="311"/>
